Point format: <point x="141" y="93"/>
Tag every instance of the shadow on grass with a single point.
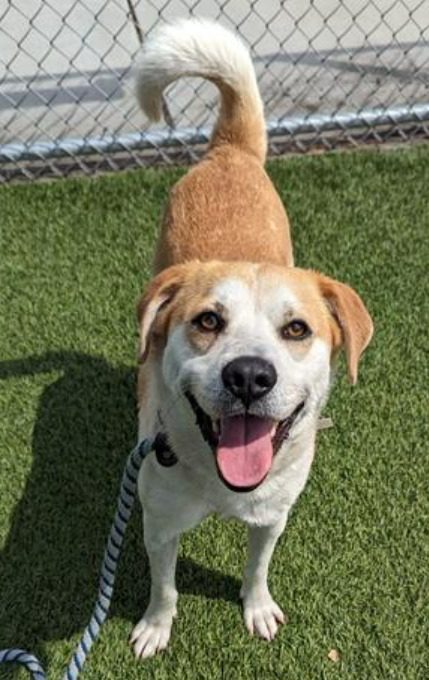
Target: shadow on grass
<point x="50" y="564"/>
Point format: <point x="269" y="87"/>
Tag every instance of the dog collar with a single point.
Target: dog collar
<point x="163" y="451"/>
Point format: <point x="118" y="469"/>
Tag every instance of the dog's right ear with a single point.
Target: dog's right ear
<point x="157" y="296"/>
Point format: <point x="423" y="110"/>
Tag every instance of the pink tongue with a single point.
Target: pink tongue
<point x="245" y="453"/>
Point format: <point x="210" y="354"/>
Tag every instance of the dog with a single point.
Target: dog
<point x="237" y="346"/>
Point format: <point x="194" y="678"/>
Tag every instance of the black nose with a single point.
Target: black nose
<point x="249" y="378"/>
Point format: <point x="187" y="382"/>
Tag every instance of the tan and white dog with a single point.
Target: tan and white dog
<point x="236" y="344"/>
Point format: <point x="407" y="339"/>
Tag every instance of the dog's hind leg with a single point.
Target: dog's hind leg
<point x="261" y="614"/>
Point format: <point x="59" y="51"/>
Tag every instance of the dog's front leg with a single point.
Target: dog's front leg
<point x="152" y="633"/>
<point x="261" y="614"/>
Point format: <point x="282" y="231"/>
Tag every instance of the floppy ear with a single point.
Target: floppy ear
<point x="160" y="292"/>
<point x="352" y="318"/>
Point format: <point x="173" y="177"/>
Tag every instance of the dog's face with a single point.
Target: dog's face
<point x="250" y="348"/>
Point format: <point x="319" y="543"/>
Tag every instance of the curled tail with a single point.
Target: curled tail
<point x="199" y="47"/>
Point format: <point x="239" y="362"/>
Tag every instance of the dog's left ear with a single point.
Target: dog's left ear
<point x="352" y="318"/>
<point x="160" y="292"/>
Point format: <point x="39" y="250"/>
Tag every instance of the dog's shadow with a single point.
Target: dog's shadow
<point x="49" y="566"/>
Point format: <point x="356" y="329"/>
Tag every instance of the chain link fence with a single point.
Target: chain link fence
<point x="331" y="73"/>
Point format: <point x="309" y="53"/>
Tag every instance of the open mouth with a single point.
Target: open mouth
<point x="244" y="446"/>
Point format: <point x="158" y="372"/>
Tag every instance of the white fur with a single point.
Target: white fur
<point x="178" y="498"/>
<point x="194" y="47"/>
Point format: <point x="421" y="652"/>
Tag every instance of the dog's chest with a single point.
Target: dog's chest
<point x="194" y="484"/>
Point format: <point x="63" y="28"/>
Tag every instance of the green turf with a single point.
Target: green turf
<point x="351" y="570"/>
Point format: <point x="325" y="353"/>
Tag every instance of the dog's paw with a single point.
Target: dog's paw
<point x="262" y="616"/>
<point x="151" y="634"/>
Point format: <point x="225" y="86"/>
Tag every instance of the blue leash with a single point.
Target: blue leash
<point x="108" y="571"/>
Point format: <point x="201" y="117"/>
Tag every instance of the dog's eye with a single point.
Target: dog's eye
<point x="296" y="330"/>
<point x="209" y="321"/>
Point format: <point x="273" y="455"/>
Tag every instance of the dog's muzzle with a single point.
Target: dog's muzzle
<point x="243" y="445"/>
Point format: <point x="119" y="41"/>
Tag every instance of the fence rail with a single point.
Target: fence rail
<point x="331" y="72"/>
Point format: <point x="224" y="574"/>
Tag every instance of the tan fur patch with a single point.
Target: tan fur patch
<point x="225" y="208"/>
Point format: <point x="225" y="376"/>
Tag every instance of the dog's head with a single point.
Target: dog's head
<point x="248" y="348"/>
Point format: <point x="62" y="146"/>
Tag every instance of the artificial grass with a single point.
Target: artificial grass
<point x="351" y="570"/>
